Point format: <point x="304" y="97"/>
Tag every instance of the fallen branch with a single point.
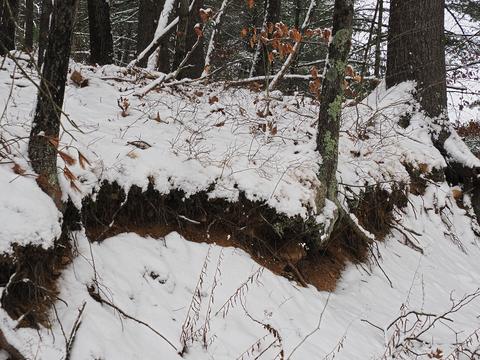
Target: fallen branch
<point x="211" y="43"/>
<point x="74" y="331"/>
<point x="166" y="77"/>
<point x="9" y="348"/>
<point x="156" y="41"/>
<point x="96" y="296"/>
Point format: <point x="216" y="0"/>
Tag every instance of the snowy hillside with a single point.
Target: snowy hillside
<point x="415" y="290"/>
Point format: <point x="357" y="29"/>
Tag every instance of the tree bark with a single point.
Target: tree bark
<point x="378" y="40"/>
<point x="42" y="148"/>
<point x="272" y="16"/>
<point x="416" y="51"/>
<point x="332" y="98"/>
<point x="196" y="63"/>
<point x="28" y="25"/>
<point x="148" y="14"/>
<point x="8" y="12"/>
<point x="101" y="41"/>
<point x="46" y="11"/>
<point x="181" y="35"/>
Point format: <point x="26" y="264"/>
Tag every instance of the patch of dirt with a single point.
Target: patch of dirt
<point x="275" y="241"/>
<point x="30" y="275"/>
<point x="374" y="208"/>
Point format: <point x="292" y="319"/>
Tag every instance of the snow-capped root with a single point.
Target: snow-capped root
<point x="29" y="275"/>
<point x="275" y="240"/>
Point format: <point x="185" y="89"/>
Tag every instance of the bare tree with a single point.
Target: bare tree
<point x="332" y="98"/>
<point x="44" y="136"/>
<point x="148" y="14"/>
<point x="186" y="38"/>
<point x="45" y="12"/>
<point x="272" y="16"/>
<point x="100" y="30"/>
<point x="8" y="15"/>
<point x="28" y="25"/>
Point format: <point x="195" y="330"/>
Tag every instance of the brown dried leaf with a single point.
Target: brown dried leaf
<point x="54" y="141"/>
<point x="213" y="99"/>
<point x="198" y="30"/>
<point x="78" y="79"/>
<point x="67" y="158"/>
<point x="244" y="32"/>
<point x="17" y="169"/>
<point x="270" y="57"/>
<point x="68" y="174"/>
<point x="349" y="71"/>
<point x="83" y="160"/>
<point x="74" y="186"/>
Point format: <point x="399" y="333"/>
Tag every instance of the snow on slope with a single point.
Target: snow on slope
<point x="153" y="280"/>
<point x="220" y="141"/>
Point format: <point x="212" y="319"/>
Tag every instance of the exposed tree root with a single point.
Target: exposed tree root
<point x="11" y="350"/>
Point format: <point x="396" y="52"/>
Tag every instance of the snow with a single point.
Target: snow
<point x="28" y="215"/>
<point x="223" y="140"/>
<point x="218" y="136"/>
<point x="153" y="280"/>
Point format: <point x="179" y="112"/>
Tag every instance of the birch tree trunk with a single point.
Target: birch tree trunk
<point x="332" y="98"/>
<point x="42" y="148"/>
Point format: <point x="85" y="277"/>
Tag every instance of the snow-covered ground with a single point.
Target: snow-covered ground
<point x="193" y="137"/>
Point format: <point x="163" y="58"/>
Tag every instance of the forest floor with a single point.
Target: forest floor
<point x="150" y="294"/>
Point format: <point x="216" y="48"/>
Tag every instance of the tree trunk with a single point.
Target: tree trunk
<point x="272" y="16"/>
<point x="28" y="25"/>
<point x="8" y="12"/>
<point x="181" y="35"/>
<point x="148" y="14"/>
<point x="101" y="42"/>
<point x="332" y="98"/>
<point x="42" y="148"/>
<point x="378" y="40"/>
<point x="46" y="11"/>
<point x="197" y="60"/>
<point x="416" y="51"/>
